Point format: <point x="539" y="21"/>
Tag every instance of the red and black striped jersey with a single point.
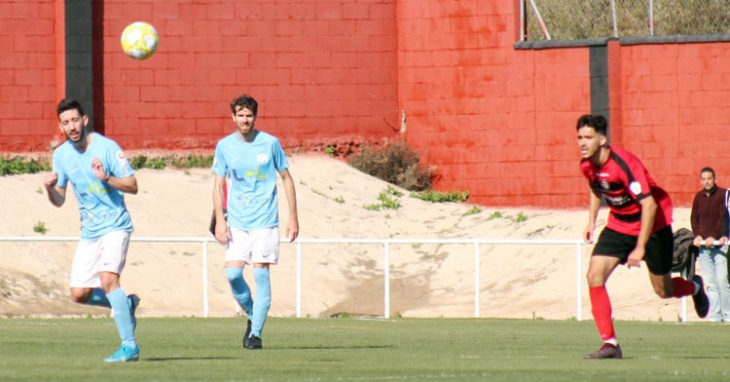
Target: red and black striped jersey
<point x="622" y="182"/>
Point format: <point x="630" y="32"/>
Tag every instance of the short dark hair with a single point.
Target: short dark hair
<point x="708" y="169"/>
<point x="596" y="121"/>
<point x="245" y="101"/>
<point x="69" y="104"/>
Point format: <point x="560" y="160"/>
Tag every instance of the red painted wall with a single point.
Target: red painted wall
<point x="322" y="71"/>
<point x="28" y="75"/>
<point x="493" y="120"/>
<point x="676" y="112"/>
<point x="500" y="122"/>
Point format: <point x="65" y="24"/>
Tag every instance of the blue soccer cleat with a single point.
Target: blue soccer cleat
<point x="124" y="354"/>
<point x="133" y="302"/>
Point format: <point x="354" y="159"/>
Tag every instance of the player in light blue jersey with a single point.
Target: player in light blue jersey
<point x="251" y="159"/>
<point x="100" y="175"/>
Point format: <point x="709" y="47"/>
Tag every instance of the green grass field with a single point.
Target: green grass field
<point x="351" y="349"/>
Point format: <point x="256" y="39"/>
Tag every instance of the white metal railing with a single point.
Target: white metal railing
<point x="386" y="243"/>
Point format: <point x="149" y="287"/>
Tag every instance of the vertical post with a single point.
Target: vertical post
<point x="386" y="277"/>
<point x="651" y="17"/>
<point x="683" y="313"/>
<point x="522" y="20"/>
<point x="477" y="266"/>
<point x="578" y="290"/>
<point x="205" y="278"/>
<point x="613" y="18"/>
<point x="299" y="279"/>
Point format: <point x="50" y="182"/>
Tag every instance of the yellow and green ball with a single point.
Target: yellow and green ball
<point x="139" y="40"/>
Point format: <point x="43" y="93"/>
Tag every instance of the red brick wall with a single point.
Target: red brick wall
<point x="494" y="120"/>
<point x="28" y="77"/>
<point x="676" y="112"/>
<point x="322" y="71"/>
<point x="500" y="122"/>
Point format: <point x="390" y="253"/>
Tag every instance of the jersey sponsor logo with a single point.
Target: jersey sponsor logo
<point x="617" y="200"/>
<point x="97" y="188"/>
<point x="250" y="174"/>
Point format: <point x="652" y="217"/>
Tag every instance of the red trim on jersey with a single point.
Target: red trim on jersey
<point x="622" y="182"/>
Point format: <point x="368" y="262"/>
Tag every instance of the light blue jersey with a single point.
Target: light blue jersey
<point x="252" y="167"/>
<point x="101" y="207"/>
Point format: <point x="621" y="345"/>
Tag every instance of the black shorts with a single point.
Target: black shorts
<point x="659" y="248"/>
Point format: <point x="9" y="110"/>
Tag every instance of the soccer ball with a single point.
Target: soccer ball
<point x="139" y="40"/>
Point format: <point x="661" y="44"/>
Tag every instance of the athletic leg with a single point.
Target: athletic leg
<point x="723" y="284"/>
<point x="239" y="287"/>
<point x="599" y="269"/>
<point x="709" y="273"/>
<point x="263" y="298"/>
<point x="118" y="300"/>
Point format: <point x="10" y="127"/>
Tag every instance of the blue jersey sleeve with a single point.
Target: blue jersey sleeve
<point x="219" y="161"/>
<point x="58" y="168"/>
<point x="117" y="163"/>
<point x="280" y="162"/>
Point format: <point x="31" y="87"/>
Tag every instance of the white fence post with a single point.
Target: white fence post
<point x="386" y="279"/>
<point x="299" y="279"/>
<point x="578" y="277"/>
<point x="477" y="266"/>
<point x="205" y="279"/>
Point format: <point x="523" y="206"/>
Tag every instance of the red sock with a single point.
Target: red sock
<point x="683" y="287"/>
<point x="601" y="308"/>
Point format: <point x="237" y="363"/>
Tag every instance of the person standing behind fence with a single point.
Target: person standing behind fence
<point x="251" y="158"/>
<point x="709" y="220"/>
<point x="638" y="229"/>
<point x="100" y="175"/>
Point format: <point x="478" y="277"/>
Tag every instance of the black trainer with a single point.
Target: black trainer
<point x="702" y="303"/>
<point x="606" y="351"/>
<point x="252" y="342"/>
<point x="248" y="332"/>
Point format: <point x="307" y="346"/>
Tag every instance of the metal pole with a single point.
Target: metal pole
<point x="386" y="277"/>
<point x="299" y="279"/>
<point x="578" y="289"/>
<point x="651" y="17"/>
<point x="539" y="20"/>
<point x="205" y="278"/>
<point x="613" y="18"/>
<point x="522" y="20"/>
<point x="476" y="279"/>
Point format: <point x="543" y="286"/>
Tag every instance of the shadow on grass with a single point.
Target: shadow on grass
<point x="165" y="359"/>
<point x="322" y="347"/>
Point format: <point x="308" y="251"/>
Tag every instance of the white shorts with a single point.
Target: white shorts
<point x="257" y="246"/>
<point x="105" y="254"/>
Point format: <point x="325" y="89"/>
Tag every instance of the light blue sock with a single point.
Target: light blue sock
<point x="241" y="291"/>
<point x="122" y="317"/>
<point x="98" y="298"/>
<point x="262" y="302"/>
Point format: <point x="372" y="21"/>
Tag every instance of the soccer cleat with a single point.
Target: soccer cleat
<point x="702" y="303"/>
<point x="248" y="332"/>
<point x="606" y="351"/>
<point x="252" y="342"/>
<point x="124" y="354"/>
<point x="133" y="302"/>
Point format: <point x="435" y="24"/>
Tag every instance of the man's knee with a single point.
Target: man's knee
<point x="80" y="295"/>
